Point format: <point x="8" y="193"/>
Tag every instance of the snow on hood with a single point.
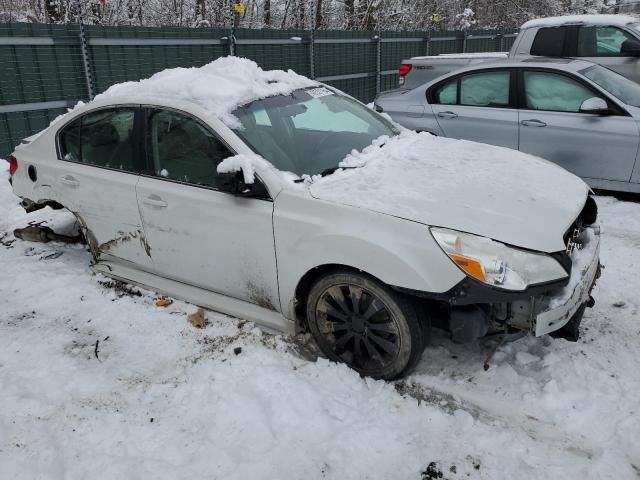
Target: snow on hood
<point x="219" y="87"/>
<point x="491" y="191"/>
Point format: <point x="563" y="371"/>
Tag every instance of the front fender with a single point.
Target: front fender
<point x="310" y="233"/>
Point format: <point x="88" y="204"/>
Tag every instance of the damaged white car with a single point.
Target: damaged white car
<point x="270" y="197"/>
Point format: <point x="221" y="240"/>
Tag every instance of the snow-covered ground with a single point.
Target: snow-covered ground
<point x="163" y="400"/>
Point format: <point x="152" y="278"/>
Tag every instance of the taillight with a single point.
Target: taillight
<point x="404" y="69"/>
<point x="13" y="164"/>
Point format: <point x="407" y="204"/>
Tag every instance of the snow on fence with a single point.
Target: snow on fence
<point x="48" y="68"/>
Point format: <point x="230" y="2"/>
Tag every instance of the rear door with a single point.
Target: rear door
<point x="603" y="44"/>
<point x="477" y="106"/>
<point x="552" y="127"/>
<point x="96" y="178"/>
<point x="197" y="234"/>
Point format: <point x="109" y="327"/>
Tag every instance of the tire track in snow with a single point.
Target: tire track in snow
<point x="496" y="411"/>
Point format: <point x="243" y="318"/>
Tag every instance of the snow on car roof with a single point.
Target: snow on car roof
<point x="616" y="20"/>
<point x="218" y="87"/>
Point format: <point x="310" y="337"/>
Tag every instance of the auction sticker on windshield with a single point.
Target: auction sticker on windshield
<point x="319" y="92"/>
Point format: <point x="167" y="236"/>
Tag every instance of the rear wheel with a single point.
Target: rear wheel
<point x="359" y="321"/>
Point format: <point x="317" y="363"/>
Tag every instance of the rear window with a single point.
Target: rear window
<point x="549" y="42"/>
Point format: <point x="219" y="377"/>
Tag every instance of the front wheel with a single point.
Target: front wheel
<point x="359" y="321"/>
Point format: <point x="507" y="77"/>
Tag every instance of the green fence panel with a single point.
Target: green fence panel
<point x="276" y="49"/>
<point x="17" y="125"/>
<point x="41" y="73"/>
<point x="125" y="62"/>
<point x="354" y="54"/>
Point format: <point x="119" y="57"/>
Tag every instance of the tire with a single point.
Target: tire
<point x="359" y="321"/>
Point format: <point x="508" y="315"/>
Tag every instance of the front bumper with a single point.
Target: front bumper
<point x="553" y="312"/>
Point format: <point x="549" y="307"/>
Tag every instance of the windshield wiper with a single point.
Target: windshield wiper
<point x="329" y="171"/>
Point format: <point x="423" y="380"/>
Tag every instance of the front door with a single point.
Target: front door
<point x="589" y="145"/>
<point x="197" y="234"/>
<point x="477" y="107"/>
<point x="96" y="178"/>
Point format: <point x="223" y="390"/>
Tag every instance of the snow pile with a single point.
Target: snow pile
<point x="491" y="191"/>
<point x="466" y="19"/>
<point x="247" y="164"/>
<point x="219" y="87"/>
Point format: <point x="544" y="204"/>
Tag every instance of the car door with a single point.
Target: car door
<point x="589" y="145"/>
<point x="96" y="176"/>
<point x="477" y="106"/>
<point x="197" y="234"/>
<point x="603" y="44"/>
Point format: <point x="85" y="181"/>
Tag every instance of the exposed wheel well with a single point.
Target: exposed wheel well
<point x="307" y="281"/>
<point x="309" y="278"/>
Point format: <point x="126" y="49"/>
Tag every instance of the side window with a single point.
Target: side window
<point x="181" y="148"/>
<point x="103" y="138"/>
<point x="601" y="41"/>
<point x="558" y="93"/>
<point x="490" y="89"/>
<point x="549" y="42"/>
<point x="447" y="94"/>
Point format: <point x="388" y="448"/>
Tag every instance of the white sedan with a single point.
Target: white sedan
<point x="268" y="196"/>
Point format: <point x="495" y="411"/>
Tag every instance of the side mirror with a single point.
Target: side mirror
<point x="233" y="182"/>
<point x="630" y="48"/>
<point x="595" y="105"/>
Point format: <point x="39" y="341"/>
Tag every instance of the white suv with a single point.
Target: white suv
<point x="270" y="197"/>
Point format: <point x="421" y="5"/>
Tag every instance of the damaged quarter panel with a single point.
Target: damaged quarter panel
<point x="311" y="233"/>
<point x="101" y="195"/>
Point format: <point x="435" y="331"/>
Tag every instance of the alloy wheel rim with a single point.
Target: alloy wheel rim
<point x="358" y="326"/>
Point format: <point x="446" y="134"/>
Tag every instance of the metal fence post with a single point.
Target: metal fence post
<point x="378" y="40"/>
<point x="312" y="41"/>
<point x="86" y="62"/>
<point x="464" y="42"/>
<point x="428" y="43"/>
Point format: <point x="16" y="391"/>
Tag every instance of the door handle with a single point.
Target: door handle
<point x="154" y="201"/>
<point x="533" y="123"/>
<point x="447" y="114"/>
<point x="68" y="180"/>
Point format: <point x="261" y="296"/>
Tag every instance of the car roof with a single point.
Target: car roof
<point x="608" y="20"/>
<point x="566" y="64"/>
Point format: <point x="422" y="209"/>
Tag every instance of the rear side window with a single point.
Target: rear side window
<point x="447" y="94"/>
<point x="485" y="89"/>
<point x="549" y="42"/>
<point x="103" y="138"/>
<point x="489" y="89"/>
<point x="601" y="41"/>
<point x="552" y="92"/>
<point x="183" y="149"/>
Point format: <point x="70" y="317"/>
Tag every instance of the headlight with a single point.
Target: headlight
<point x="495" y="263"/>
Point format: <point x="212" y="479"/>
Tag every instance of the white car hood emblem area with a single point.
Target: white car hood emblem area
<point x="491" y="191"/>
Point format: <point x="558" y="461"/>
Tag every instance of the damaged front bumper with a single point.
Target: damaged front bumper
<point x="473" y="309"/>
<point x="553" y="312"/>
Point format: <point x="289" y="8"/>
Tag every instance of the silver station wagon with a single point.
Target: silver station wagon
<point x="577" y="114"/>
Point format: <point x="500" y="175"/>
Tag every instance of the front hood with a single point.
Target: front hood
<point x="491" y="191"/>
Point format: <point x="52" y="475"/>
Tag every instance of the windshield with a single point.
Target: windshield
<point x="617" y="85"/>
<point x="310" y="130"/>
